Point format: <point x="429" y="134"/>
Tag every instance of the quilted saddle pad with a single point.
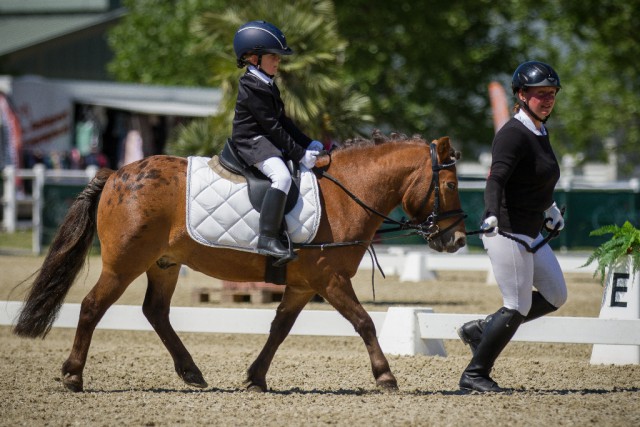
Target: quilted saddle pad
<point x="219" y="212"/>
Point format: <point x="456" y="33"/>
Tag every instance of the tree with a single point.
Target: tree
<point x="427" y="64"/>
<point x="595" y="45"/>
<point x="316" y="92"/>
<point x="420" y="66"/>
<point x="153" y="43"/>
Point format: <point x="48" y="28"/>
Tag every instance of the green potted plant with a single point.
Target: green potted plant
<point x="624" y="246"/>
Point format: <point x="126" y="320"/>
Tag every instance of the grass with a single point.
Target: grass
<point x="21" y="239"/>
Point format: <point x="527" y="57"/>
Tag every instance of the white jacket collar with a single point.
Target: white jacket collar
<point x="526" y="120"/>
<point x="259" y="74"/>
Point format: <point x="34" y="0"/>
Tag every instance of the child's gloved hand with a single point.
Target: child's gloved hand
<point x="310" y="158"/>
<point x="316" y="146"/>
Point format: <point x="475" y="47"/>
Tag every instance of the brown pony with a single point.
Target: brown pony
<point x="139" y="214"/>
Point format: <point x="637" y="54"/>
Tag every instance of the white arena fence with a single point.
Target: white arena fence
<point x="415" y="263"/>
<point x="401" y="330"/>
<point x="12" y="199"/>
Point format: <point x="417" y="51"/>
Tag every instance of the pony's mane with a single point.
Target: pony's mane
<point x="377" y="138"/>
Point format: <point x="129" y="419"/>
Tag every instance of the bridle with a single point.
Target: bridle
<point x="427" y="229"/>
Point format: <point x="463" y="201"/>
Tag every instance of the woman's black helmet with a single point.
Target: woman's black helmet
<point x="534" y="73"/>
<point x="259" y="37"/>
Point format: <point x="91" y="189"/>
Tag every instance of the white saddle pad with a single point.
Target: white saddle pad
<point x="219" y="212"/>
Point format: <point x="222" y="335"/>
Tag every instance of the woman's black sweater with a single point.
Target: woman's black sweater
<point x="523" y="175"/>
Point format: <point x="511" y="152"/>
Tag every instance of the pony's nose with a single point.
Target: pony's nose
<point x="459" y="240"/>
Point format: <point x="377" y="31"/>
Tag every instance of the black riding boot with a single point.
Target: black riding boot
<point x="471" y="332"/>
<point x="496" y="335"/>
<point x="539" y="307"/>
<point x="270" y="222"/>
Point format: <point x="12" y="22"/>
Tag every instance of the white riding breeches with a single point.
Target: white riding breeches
<point x="518" y="272"/>
<point x="275" y="169"/>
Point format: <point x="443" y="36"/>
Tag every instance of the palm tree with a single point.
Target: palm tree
<point x="316" y="92"/>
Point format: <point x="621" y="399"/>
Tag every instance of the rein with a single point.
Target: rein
<point x="531" y="249"/>
<point x="428" y="229"/>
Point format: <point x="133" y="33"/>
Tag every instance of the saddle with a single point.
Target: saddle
<point x="257" y="182"/>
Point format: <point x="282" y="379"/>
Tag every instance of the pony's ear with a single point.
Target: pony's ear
<point x="444" y="147"/>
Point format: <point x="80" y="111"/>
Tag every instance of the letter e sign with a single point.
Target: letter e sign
<point x="617" y="287"/>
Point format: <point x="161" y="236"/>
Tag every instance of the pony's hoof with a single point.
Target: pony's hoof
<point x="256" y="388"/>
<point x="72" y="383"/>
<point x="387" y="384"/>
<point x="194" y="379"/>
<point x="387" y="387"/>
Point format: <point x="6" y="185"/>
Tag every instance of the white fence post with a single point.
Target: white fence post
<point x="36" y="213"/>
<point x="401" y="333"/>
<point x="10" y="205"/>
<point x="91" y="172"/>
<point x="415" y="267"/>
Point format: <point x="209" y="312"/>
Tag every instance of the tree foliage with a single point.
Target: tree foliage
<point x="428" y="63"/>
<point x="595" y="45"/>
<point x="153" y="43"/>
<point x="316" y="91"/>
<point x="413" y="66"/>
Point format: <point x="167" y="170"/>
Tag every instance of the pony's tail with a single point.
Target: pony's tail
<point x="65" y="259"/>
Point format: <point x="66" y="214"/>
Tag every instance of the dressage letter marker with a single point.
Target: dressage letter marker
<point x="621" y="300"/>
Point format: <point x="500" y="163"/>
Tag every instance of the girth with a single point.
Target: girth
<point x="257" y="182"/>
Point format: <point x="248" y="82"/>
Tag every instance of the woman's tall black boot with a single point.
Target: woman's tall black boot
<point x="496" y="335"/>
<point x="271" y="216"/>
<point x="471" y="332"/>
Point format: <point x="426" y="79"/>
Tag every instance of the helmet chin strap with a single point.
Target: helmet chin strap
<point x="535" y="116"/>
<point x="259" y="67"/>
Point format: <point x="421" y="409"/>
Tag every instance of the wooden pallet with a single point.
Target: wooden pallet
<point x="205" y="295"/>
<point x="247" y="292"/>
<point x="253" y="292"/>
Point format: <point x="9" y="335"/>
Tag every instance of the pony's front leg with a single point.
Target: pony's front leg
<point x="293" y="301"/>
<point x="341" y="296"/>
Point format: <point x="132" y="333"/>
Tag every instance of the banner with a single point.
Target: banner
<point x="45" y="113"/>
<point x="10" y="135"/>
<point x="499" y="107"/>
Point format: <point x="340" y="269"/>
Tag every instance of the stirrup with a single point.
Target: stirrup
<point x="292" y="256"/>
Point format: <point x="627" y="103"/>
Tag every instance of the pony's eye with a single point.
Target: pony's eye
<point x="451" y="185"/>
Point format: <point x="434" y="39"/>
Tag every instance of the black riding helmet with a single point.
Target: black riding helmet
<point x="534" y="73"/>
<point x="259" y="37"/>
<point x="531" y="74"/>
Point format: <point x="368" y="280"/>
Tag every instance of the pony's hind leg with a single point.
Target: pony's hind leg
<point x="341" y="296"/>
<point x="106" y="291"/>
<point x="290" y="307"/>
<point x="162" y="280"/>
